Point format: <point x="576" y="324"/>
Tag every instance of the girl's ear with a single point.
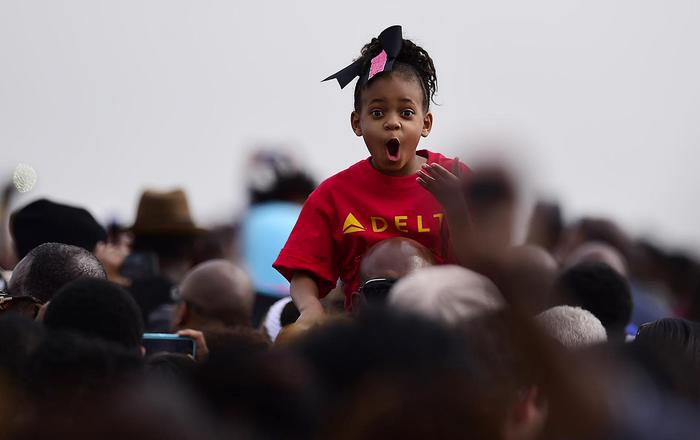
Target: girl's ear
<point x="427" y="124"/>
<point x="355" y="123"/>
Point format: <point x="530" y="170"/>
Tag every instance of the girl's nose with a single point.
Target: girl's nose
<point x="392" y="123"/>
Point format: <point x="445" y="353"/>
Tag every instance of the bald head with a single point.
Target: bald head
<point x="215" y="293"/>
<point x="526" y="276"/>
<point x="50" y="266"/>
<point x="394" y="258"/>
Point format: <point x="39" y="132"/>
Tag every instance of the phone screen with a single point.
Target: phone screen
<point x="168" y="343"/>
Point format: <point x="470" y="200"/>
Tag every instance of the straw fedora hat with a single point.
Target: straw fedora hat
<point x="164" y="212"/>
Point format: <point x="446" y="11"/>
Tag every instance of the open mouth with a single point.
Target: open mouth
<point x="392" y="149"/>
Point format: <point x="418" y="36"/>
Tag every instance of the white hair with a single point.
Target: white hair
<point x="449" y="294"/>
<point x="272" y="322"/>
<point x="574" y="327"/>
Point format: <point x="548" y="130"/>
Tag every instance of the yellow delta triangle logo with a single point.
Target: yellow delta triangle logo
<point x="352" y="225"/>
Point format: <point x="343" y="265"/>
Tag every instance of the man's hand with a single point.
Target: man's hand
<point x="202" y="351"/>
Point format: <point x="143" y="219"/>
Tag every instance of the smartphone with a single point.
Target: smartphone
<point x="168" y="343"/>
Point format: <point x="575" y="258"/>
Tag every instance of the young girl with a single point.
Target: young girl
<point x="383" y="196"/>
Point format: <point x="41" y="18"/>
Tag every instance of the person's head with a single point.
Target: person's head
<point x="164" y="227"/>
<point x="19" y="337"/>
<point x="385" y="263"/>
<point x="597" y="251"/>
<point x="44" y="221"/>
<point x="215" y="293"/>
<point x="394" y="375"/>
<point x="673" y="336"/>
<point x="97" y="309"/>
<point x="593" y="229"/>
<point x="513" y="357"/>
<point x="599" y="289"/>
<point x="525" y="277"/>
<point x="273" y="175"/>
<point x="448" y="294"/>
<point x="50" y="266"/>
<point x="392" y="108"/>
<point x="68" y="366"/>
<point x="573" y="327"/>
<point x="491" y="193"/>
<point x="668" y="350"/>
<point x="546" y="225"/>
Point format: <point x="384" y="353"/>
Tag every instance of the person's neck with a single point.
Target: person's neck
<point x="174" y="270"/>
<point x="416" y="163"/>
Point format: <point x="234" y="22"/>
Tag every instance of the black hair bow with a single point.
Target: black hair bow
<point x="390" y="40"/>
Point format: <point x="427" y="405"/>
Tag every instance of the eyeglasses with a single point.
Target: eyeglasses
<point x="25" y="305"/>
<point x="376" y="290"/>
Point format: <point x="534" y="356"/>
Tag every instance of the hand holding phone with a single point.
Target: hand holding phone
<point x="169" y="343"/>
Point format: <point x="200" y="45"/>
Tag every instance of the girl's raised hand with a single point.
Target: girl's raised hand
<point x="444" y="185"/>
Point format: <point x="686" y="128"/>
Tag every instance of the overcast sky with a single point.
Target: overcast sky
<point x="598" y="101"/>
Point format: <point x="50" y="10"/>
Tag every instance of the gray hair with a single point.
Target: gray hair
<point x="573" y="327"/>
<point x="448" y="294"/>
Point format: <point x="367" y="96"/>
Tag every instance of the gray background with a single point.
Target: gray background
<point x="594" y="102"/>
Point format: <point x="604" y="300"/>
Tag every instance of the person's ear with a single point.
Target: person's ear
<point x="527" y="415"/>
<point x="180" y="315"/>
<point x="142" y="350"/>
<point x="427" y="124"/>
<point x="41" y="312"/>
<point x="357" y="300"/>
<point x="355" y="123"/>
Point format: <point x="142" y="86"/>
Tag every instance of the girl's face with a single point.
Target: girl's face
<point x="392" y="120"/>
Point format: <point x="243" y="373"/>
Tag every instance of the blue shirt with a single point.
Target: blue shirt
<point x="265" y="231"/>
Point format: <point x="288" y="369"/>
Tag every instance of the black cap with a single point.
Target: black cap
<point x="44" y="221"/>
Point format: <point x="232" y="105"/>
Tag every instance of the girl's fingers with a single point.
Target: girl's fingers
<point x="439" y="170"/>
<point x="425" y="176"/>
<point x="456" y="169"/>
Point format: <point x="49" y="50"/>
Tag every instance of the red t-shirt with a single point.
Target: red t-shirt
<point x="354" y="209"/>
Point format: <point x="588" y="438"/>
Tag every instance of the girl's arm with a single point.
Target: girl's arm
<point x="446" y="187"/>
<point x="304" y="291"/>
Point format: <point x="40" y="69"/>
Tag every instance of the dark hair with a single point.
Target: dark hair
<point x="96" y="308"/>
<point x="67" y="367"/>
<point x="411" y="60"/>
<point x="602" y="291"/>
<point x="673" y="334"/>
<point x="168" y="247"/>
<point x="668" y="351"/>
<point x="19" y="337"/>
<point x="50" y="266"/>
<point x="169" y="368"/>
<point x="293" y="187"/>
<point x="386" y="375"/>
<point x="290" y="314"/>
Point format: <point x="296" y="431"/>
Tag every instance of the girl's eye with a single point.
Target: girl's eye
<point x="377" y="113"/>
<point x="407" y="113"/>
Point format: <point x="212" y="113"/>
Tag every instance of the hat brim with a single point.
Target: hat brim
<point x="167" y="230"/>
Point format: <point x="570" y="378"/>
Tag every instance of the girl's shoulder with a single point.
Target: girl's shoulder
<point x="444" y="161"/>
<point x="354" y="171"/>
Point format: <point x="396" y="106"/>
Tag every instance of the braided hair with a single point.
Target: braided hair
<point x="412" y="60"/>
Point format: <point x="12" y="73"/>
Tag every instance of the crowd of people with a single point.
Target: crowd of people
<point x="582" y="332"/>
<point x="419" y="317"/>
